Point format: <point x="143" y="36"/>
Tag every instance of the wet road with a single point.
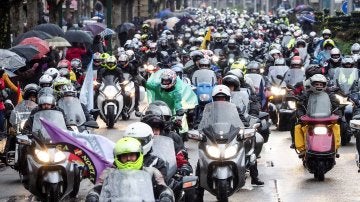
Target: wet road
<point x="284" y="176"/>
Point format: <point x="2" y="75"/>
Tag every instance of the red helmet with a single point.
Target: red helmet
<point x="64" y="64"/>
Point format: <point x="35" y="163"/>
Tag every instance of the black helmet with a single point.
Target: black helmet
<point x="231" y="80"/>
<point x="31" y="89"/>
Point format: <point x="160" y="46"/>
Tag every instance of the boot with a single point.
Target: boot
<point x="256" y="182"/>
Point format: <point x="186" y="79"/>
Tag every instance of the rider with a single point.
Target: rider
<point x="127" y="67"/>
<point x="222" y="93"/>
<point x="128" y="155"/>
<point x="315" y="84"/>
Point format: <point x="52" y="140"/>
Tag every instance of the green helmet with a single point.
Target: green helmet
<point x="103" y="57"/>
<point x="128" y="145"/>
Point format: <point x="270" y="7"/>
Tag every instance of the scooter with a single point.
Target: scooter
<point x="226" y="150"/>
<point x="49" y="174"/>
<point x="320" y="152"/>
<point x="110" y="100"/>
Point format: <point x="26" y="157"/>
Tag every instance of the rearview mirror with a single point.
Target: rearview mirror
<point x="23" y="139"/>
<point x="94" y="112"/>
<point x="256" y="125"/>
<point x="195" y="135"/>
<point x="91" y="124"/>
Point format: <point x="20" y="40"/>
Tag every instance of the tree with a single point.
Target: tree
<point x="55" y="8"/>
<point x="5" y="24"/>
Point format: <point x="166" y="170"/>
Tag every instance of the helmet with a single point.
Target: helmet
<point x="45" y="81"/>
<point x="196" y="55"/>
<point x="204" y="63"/>
<point x="300" y="42"/>
<point x="128" y="145"/>
<point x="97" y="59"/>
<point x="46" y="96"/>
<point x="31" y="89"/>
<point x="59" y="82"/>
<point x="64" y="72"/>
<point x="144" y="37"/>
<point x="178" y="69"/>
<point x="231" y="42"/>
<point x="312" y="34"/>
<point x="153" y="47"/>
<point x="76" y="64"/>
<point x="231" y="80"/>
<point x="168" y="79"/>
<point x="217" y="37"/>
<point x="145" y="26"/>
<point x="246" y="41"/>
<point x="63" y="64"/>
<point x="54" y="73"/>
<point x="296" y="60"/>
<point x="274" y="51"/>
<point x="68" y="90"/>
<point x="253" y="67"/>
<point x="355" y="48"/>
<point x="110" y="62"/>
<point x="103" y="58"/>
<point x="326" y="32"/>
<point x="279" y="62"/>
<point x="328" y="42"/>
<point x="221" y="91"/>
<point x="142" y="132"/>
<point x="348" y="62"/>
<point x="123" y="60"/>
<point x="335" y="55"/>
<point x="317" y="78"/>
<point x="154" y="115"/>
<point x="236" y="72"/>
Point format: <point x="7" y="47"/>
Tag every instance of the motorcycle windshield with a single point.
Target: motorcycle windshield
<point x="163" y="147"/>
<point x="203" y="76"/>
<point x="294" y="76"/>
<point x="73" y="110"/>
<point x="275" y="71"/>
<point x="220" y="121"/>
<point x="241" y="100"/>
<point x="255" y="78"/>
<point x="345" y="78"/>
<point x="22" y="111"/>
<point x="127" y="76"/>
<point x="319" y="105"/>
<point x="303" y="53"/>
<point x="109" y="80"/>
<point x="127" y="185"/>
<point x="53" y="116"/>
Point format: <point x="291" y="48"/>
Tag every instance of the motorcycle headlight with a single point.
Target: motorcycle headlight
<point x="213" y="151"/>
<point x="180" y="42"/>
<point x="278" y="91"/>
<point x="231" y="151"/>
<point x="292" y="104"/>
<point x="204" y="97"/>
<point x="22" y="123"/>
<point x="262" y="70"/>
<point x="320" y="130"/>
<point x="42" y="155"/>
<point x="59" y="156"/>
<point x="231" y="60"/>
<point x="215" y="58"/>
<point x="127" y="88"/>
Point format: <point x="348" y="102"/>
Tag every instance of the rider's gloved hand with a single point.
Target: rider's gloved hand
<point x="185" y="170"/>
<point x="164" y="197"/>
<point x="92" y="197"/>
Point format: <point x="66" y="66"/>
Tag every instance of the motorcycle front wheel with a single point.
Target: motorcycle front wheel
<point x="110" y="117"/>
<point x="222" y="190"/>
<point x="53" y="192"/>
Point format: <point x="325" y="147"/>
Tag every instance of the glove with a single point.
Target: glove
<point x="185" y="170"/>
<point x="166" y="197"/>
<point x="92" y="198"/>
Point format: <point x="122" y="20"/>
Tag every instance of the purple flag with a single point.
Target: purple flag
<point x="94" y="161"/>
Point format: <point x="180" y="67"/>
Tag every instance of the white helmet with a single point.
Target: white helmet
<point x="335" y="54"/>
<point x="317" y="78"/>
<point x="142" y="132"/>
<point x="45" y="81"/>
<point x="355" y="48"/>
<point x="326" y="31"/>
<point x="54" y="73"/>
<point x="221" y="91"/>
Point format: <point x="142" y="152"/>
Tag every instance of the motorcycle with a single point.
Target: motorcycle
<point x="320" y="143"/>
<point x="163" y="147"/>
<point x="203" y="81"/>
<point x="127" y="185"/>
<point x="345" y="79"/>
<point x="110" y="100"/>
<point x="129" y="96"/>
<point x="277" y="93"/>
<point x="51" y="176"/>
<point x="226" y="149"/>
<point x="74" y="114"/>
<point x="17" y="120"/>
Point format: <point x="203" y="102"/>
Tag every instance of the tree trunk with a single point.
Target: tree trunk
<point x="118" y="13"/>
<point x="54" y="10"/>
<point x="32" y="13"/>
<point x="18" y="17"/>
<point x="5" y="24"/>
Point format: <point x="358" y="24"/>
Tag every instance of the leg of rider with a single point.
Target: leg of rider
<point x="337" y="138"/>
<point x="137" y="96"/>
<point x="254" y="173"/>
<point x="299" y="138"/>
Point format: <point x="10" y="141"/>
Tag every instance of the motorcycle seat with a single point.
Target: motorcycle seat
<point x="330" y="119"/>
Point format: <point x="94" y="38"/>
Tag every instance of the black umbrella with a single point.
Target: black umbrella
<point x="32" y="33"/>
<point x="125" y="27"/>
<point x="51" y="29"/>
<point x="26" y="51"/>
<point x="78" y="36"/>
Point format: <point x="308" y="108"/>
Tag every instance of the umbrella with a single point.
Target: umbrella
<point x="11" y="60"/>
<point x="303" y="7"/>
<point x="32" y="33"/>
<point x="50" y="28"/>
<point x="170" y="22"/>
<point x="125" y="27"/>
<point x="26" y="51"/>
<point x="107" y="32"/>
<point x="308" y="17"/>
<point x="95" y="28"/>
<point x="58" y="42"/>
<point x="165" y="13"/>
<point x="41" y="45"/>
<point x="78" y="36"/>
